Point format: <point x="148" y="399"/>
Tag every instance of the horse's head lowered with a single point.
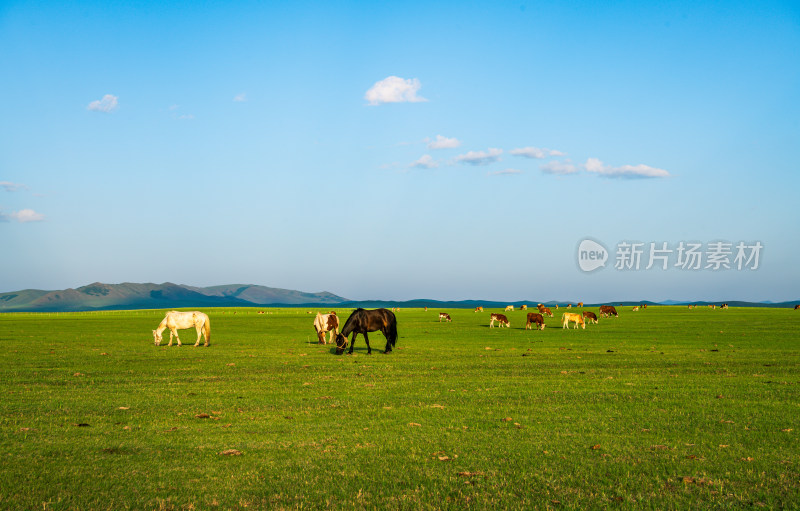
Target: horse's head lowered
<point x="341" y="343"/>
<point x="157" y="337"/>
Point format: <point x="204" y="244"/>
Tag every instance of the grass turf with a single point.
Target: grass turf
<point x="663" y="408"/>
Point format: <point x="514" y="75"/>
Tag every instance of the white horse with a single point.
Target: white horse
<point x="175" y="320"/>
<point x="326" y="323"/>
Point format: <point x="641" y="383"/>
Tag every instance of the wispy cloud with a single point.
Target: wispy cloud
<point x="240" y="98"/>
<point x="425" y="162"/>
<point x="22" y="216"/>
<point x="560" y="168"/>
<point x="444" y="143"/>
<point x="535" y="152"/>
<point x="394" y="89"/>
<point x="640" y="171"/>
<point x="505" y="172"/>
<point x="108" y="104"/>
<point x="12" y="187"/>
<point x="480" y="157"/>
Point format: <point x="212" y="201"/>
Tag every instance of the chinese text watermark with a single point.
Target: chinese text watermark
<point x="683" y="255"/>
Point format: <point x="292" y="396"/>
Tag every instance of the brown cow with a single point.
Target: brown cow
<point x="523" y="307"/>
<point x="796" y="307"/>
<point x="534" y="318"/>
<point x="580" y="304"/>
<point x="478" y="309"/>
<point x="444" y="316"/>
<point x="500" y="318"/>
<point x="608" y="310"/>
<point x="546" y="311"/>
<point x="591" y="316"/>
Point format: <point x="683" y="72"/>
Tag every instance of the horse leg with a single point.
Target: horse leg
<point x="366" y="340"/>
<point x="352" y="343"/>
<point x="199" y="329"/>
<point x="388" y="348"/>
<point x="175" y="331"/>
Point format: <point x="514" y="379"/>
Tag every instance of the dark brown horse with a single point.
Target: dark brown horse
<point x="362" y="321"/>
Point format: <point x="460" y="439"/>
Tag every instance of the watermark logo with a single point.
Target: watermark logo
<point x="591" y="255"/>
<point x="685" y="255"/>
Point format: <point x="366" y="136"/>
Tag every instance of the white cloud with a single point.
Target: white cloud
<point x="535" y="152"/>
<point x="425" y="162"/>
<point x="107" y="104"/>
<point x="561" y="168"/>
<point x="444" y="143"/>
<point x="480" y="157"/>
<point x="12" y="187"/>
<point x="240" y="97"/>
<point x="22" y="216"/>
<point x="394" y="89"/>
<point x="505" y="172"/>
<point x="626" y="171"/>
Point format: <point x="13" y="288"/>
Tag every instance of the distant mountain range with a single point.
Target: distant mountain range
<point x="100" y="296"/>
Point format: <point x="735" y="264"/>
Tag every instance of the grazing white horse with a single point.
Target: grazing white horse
<point x="326" y="323"/>
<point x="175" y="321"/>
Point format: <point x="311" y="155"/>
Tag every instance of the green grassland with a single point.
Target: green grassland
<point x="665" y="408"/>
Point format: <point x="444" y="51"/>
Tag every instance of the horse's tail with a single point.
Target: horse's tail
<point x="207" y="330"/>
<point x="393" y="330"/>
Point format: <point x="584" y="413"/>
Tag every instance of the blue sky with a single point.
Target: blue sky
<point x="446" y="150"/>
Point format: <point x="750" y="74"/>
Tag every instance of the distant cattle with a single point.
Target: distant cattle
<point x="523" y="307"/>
<point x="426" y="309"/>
<point x="478" y="309"/>
<point x="568" y="317"/>
<point x="796" y="307"/>
<point x="533" y="317"/>
<point x="590" y="316"/>
<point x="509" y="307"/>
<point x="580" y="304"/>
<point x="556" y="306"/>
<point x="723" y="306"/>
<point x="569" y="306"/>
<point x="644" y="306"/>
<point x="713" y="306"/>
<point x="636" y="308"/>
<point x="547" y="312"/>
<point x="444" y="316"/>
<point x="500" y="318"/>
<point x="608" y="310"/>
<point x="540" y="307"/>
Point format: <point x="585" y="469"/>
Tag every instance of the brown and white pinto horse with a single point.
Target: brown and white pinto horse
<point x="501" y="319"/>
<point x="326" y="323"/>
<point x="534" y="317"/>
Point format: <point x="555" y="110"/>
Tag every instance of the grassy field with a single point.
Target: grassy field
<point x="665" y="408"/>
